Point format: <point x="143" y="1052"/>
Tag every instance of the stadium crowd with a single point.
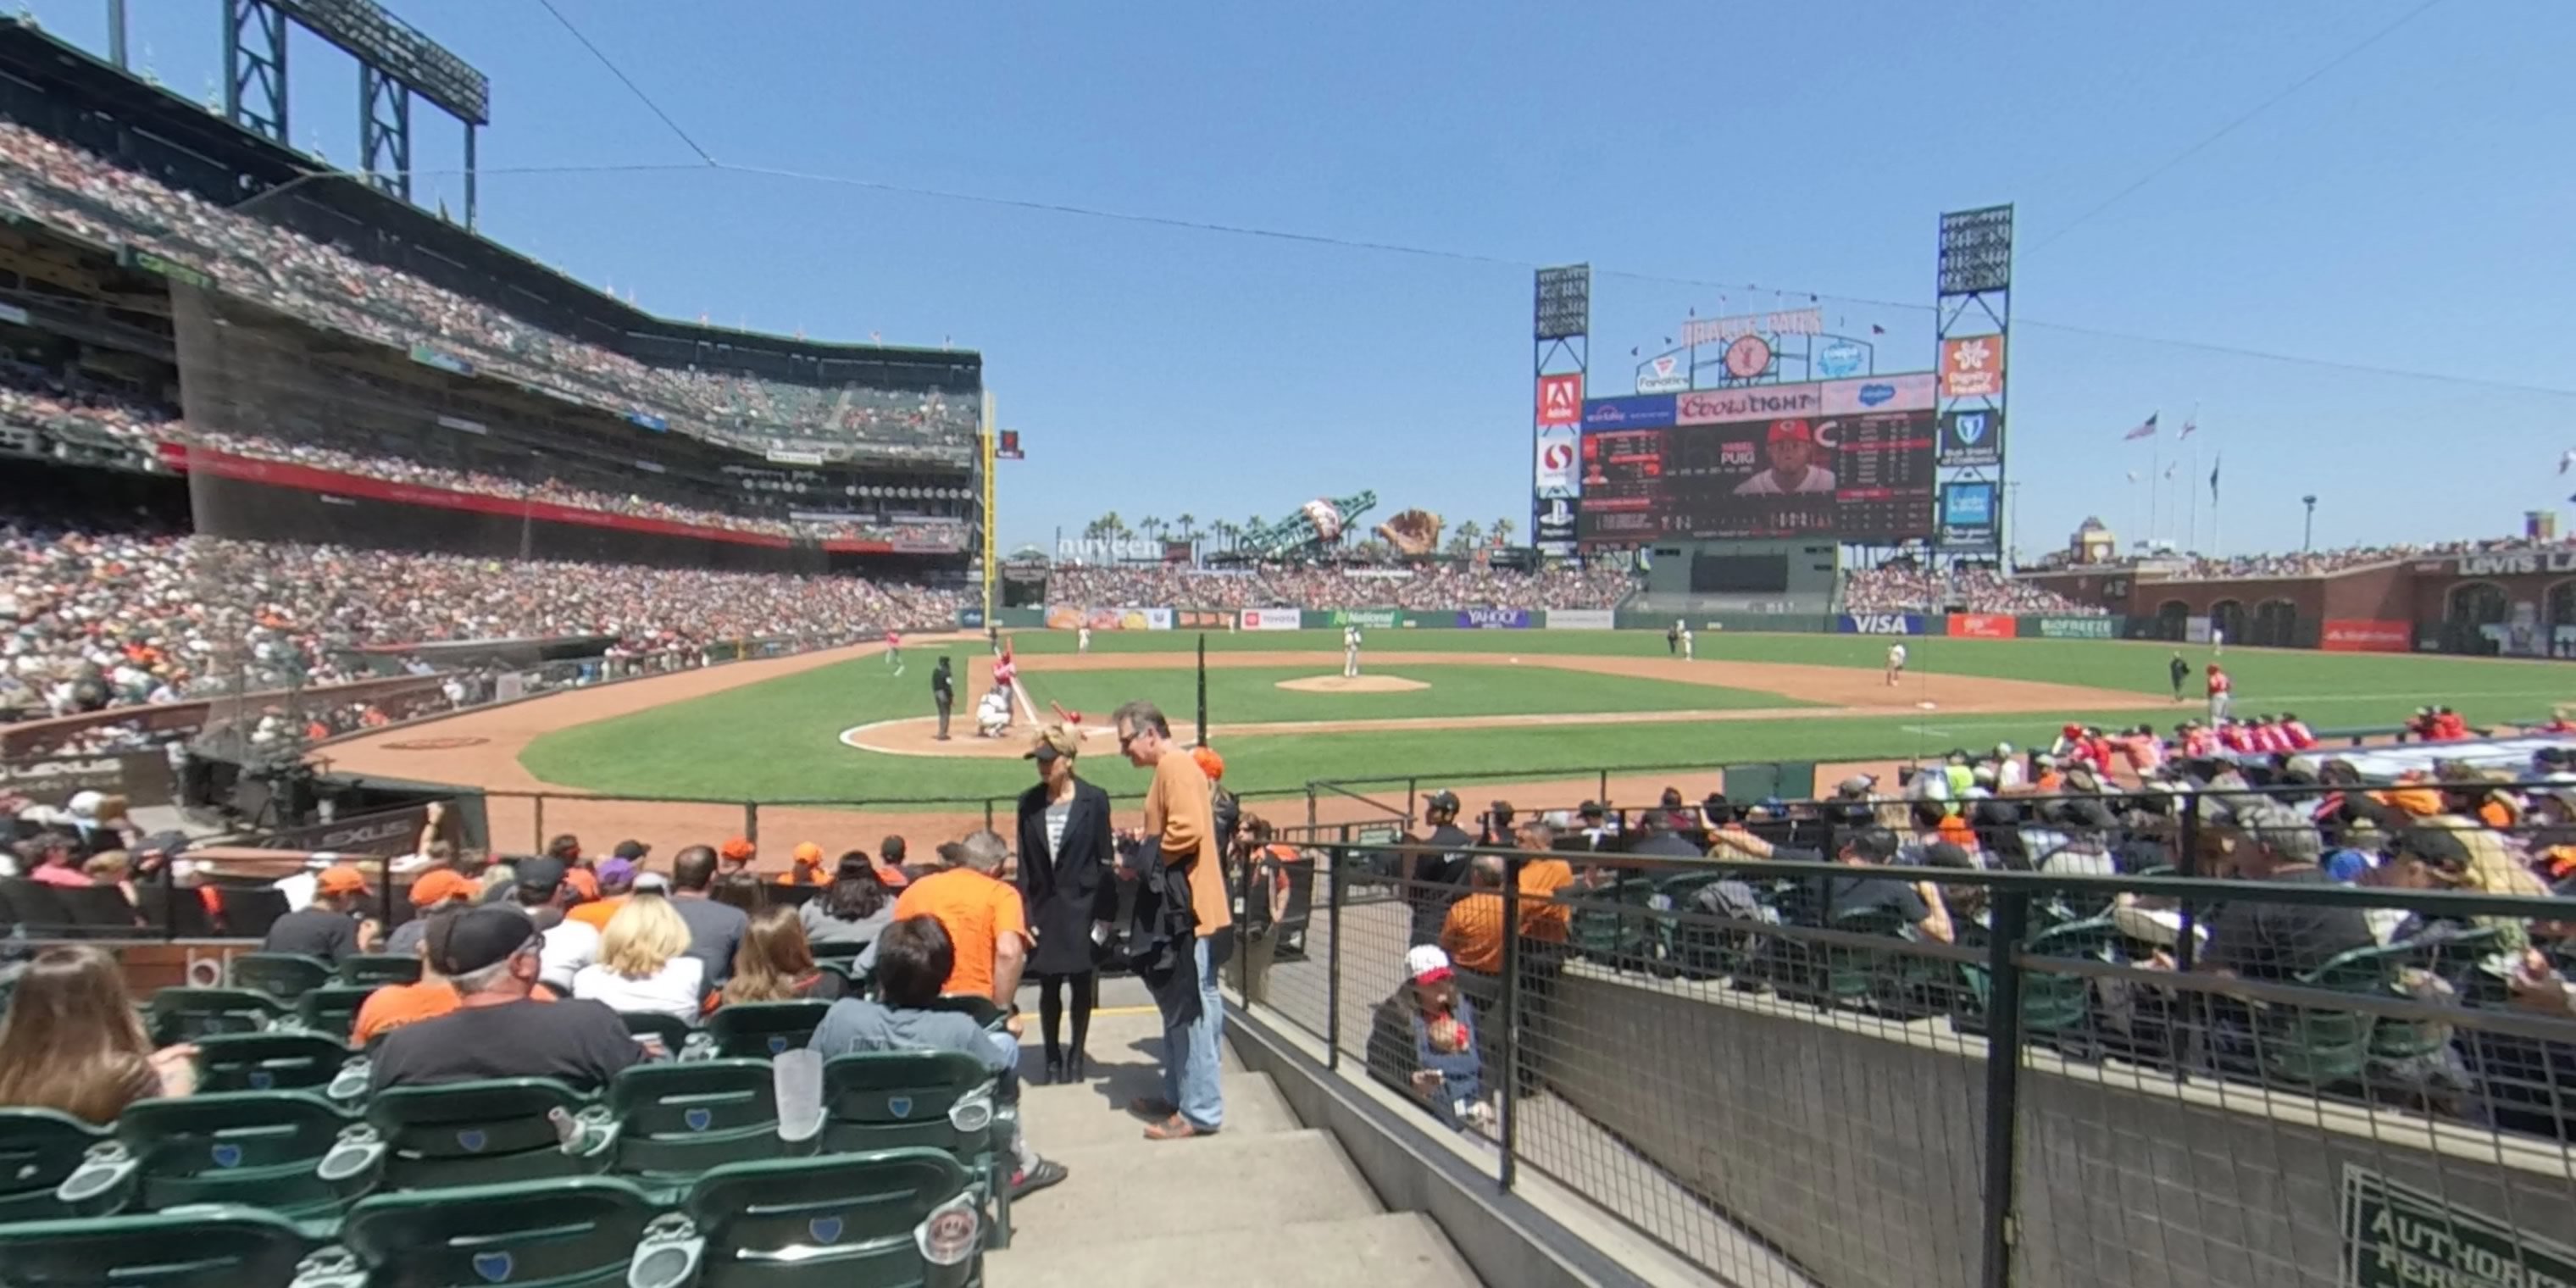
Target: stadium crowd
<point x="68" y="188"/>
<point x="1893" y="588"/>
<point x="2266" y="805"/>
<point x="35" y="397"/>
<point x="2318" y="563"/>
<point x="1431" y="589"/>
<point x="93" y="617"/>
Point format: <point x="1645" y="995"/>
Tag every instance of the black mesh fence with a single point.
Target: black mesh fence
<point x="2259" y="1037"/>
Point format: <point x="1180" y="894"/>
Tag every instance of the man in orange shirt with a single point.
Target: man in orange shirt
<point x="988" y="928"/>
<point x="1473" y="933"/>
<point x="1180" y="831"/>
<point x="807" y="869"/>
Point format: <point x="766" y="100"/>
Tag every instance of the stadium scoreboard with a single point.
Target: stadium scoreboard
<point x="1848" y="459"/>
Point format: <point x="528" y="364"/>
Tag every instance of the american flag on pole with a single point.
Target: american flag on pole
<point x="2145" y="429"/>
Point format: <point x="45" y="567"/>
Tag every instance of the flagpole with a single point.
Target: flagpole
<point x="2155" y="482"/>
<point x="2193" y="542"/>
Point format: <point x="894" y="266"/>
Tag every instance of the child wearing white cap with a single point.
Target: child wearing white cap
<point x="1449" y="1071"/>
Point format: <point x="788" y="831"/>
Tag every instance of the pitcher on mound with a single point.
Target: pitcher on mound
<point x="1350" y="652"/>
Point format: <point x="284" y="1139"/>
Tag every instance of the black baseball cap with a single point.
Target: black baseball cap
<point x="1873" y="844"/>
<point x="1447" y="800"/>
<point x="463" y="942"/>
<point x="541" y="873"/>
<point x="635" y="850"/>
<point x="1591" y="809"/>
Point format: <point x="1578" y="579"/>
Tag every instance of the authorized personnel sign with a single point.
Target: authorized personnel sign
<point x="2395" y="1236"/>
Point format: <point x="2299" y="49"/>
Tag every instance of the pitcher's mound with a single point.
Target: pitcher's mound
<point x="1353" y="684"/>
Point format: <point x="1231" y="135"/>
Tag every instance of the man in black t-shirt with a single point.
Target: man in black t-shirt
<point x="2254" y="939"/>
<point x="1838" y="897"/>
<point x="1438" y="870"/>
<point x="490" y="955"/>
<point x="329" y="927"/>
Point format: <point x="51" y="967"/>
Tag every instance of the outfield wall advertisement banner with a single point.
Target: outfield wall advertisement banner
<point x="1981" y="626"/>
<point x="1494" y="619"/>
<point x="1271" y="619"/>
<point x="1109" y="619"/>
<point x="2074" y="628"/>
<point x="1882" y="624"/>
<point x="1367" y="619"/>
<point x="2366" y="635"/>
<point x="1579" y="619"/>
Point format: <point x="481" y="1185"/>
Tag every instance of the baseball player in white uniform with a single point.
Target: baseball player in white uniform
<point x="1350" y="652"/>
<point x="1687" y="639"/>
<point x="1082" y="638"/>
<point x="1895" y="663"/>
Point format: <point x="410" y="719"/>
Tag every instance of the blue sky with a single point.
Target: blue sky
<point x="2409" y="209"/>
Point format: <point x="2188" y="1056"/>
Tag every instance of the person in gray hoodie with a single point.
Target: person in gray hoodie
<point x="913" y="959"/>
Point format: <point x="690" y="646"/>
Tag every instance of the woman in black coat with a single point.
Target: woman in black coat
<point x="1069" y="883"/>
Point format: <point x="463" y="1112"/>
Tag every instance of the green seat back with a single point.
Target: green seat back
<point x="333" y="1008"/>
<point x="681" y="1119"/>
<point x="1608" y="924"/>
<point x="760" y="1030"/>
<point x="376" y="970"/>
<point x="844" y="1220"/>
<point x="892" y="1099"/>
<point x="563" y="1234"/>
<point x="253" y="1148"/>
<point x="1853" y="973"/>
<point x="672" y="1030"/>
<point x="279" y="1060"/>
<point x="475" y="1133"/>
<point x="38" y="1148"/>
<point x="284" y="976"/>
<point x="983" y="1010"/>
<point x="2062" y="1001"/>
<point x="210" y="1248"/>
<point x="187" y="1014"/>
<point x="2319" y="1045"/>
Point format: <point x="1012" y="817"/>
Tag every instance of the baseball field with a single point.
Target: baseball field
<point x="1544" y="707"/>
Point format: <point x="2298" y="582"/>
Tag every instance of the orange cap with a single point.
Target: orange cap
<point x="809" y="855"/>
<point x="340" y="878"/>
<point x="441" y="885"/>
<point x="739" y="849"/>
<point x="1209" y="762"/>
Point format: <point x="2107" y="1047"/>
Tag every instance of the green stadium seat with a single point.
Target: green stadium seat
<point x="588" y="1232"/>
<point x="759" y="1030"/>
<point x="332" y="1008"/>
<point x="676" y="1035"/>
<point x="895" y="1099"/>
<point x="40" y="1149"/>
<point x="187" y="1014"/>
<point x="854" y="982"/>
<point x="481" y="1133"/>
<point x="983" y="1010"/>
<point x="2061" y="1002"/>
<point x="2319" y="1046"/>
<point x="678" y="1120"/>
<point x="260" y="1149"/>
<point x="375" y="970"/>
<point x="1856" y="976"/>
<point x="278" y="1060"/>
<point x="1609" y="924"/>
<point x="284" y="976"/>
<point x="223" y="1247"/>
<point x="889" y="1219"/>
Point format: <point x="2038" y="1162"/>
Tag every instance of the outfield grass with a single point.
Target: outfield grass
<point x="778" y="739"/>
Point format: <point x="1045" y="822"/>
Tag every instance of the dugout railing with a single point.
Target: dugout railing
<point x="1784" y="1091"/>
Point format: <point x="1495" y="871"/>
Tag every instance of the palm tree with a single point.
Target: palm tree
<point x="1502" y="532"/>
<point x="1148" y="525"/>
<point x="1470" y="531"/>
<point x="1108" y="525"/>
<point x="1251" y="524"/>
<point x="1189" y="526"/>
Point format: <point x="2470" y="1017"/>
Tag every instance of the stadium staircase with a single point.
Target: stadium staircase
<point x="1267" y="1203"/>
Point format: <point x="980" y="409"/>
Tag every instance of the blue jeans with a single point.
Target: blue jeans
<point x="1190" y="1068"/>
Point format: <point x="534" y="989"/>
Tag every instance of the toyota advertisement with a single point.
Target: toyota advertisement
<point x="1846" y="458"/>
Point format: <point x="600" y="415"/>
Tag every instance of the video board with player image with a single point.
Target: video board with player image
<point x="1844" y="458"/>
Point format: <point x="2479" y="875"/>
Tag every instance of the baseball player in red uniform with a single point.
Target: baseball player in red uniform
<point x="2221" y="693"/>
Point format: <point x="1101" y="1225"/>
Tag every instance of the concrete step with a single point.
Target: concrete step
<point x="1246" y="1184"/>
<point x="1073" y="1117"/>
<point x="1389" y="1250"/>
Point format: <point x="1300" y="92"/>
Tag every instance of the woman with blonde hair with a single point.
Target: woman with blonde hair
<point x="642" y="963"/>
<point x="71" y="1041"/>
<point x="775" y="964"/>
